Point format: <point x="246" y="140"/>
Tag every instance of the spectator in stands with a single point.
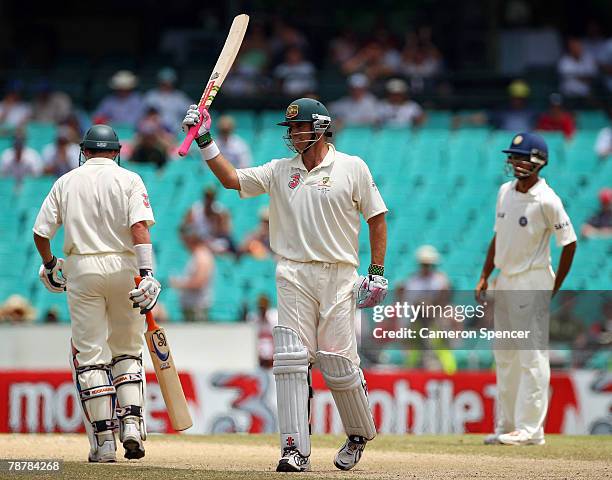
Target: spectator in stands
<point x="167" y="100"/>
<point x="265" y="318"/>
<point x="605" y="64"/>
<point x="374" y="59"/>
<point x="556" y="118"/>
<point x="78" y="122"/>
<point x="360" y="107"/>
<point x="212" y="222"/>
<point x="398" y="110"/>
<point x="231" y="145"/>
<point x="603" y="143"/>
<point x="20" y="161"/>
<point x="517" y="117"/>
<point x="421" y="60"/>
<point x="425" y="284"/>
<point x="195" y="286"/>
<point x="152" y="141"/>
<point x="124" y="106"/>
<point x="343" y="47"/>
<point x="257" y="243"/>
<point x="285" y="36"/>
<point x="63" y="155"/>
<point x="296" y="75"/>
<point x="14" y="112"/>
<point x="577" y="70"/>
<point x="16" y="309"/>
<point x="600" y="224"/>
<point x="595" y="41"/>
<point x="49" y="105"/>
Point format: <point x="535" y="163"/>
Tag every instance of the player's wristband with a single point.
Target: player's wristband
<point x="211" y="151"/>
<point x="204" y="140"/>
<point x="374" y="269"/>
<point x="51" y="263"/>
<point x="144" y="258"/>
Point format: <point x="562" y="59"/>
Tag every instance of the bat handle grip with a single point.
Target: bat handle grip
<point x="151" y="323"/>
<point x="184" y="148"/>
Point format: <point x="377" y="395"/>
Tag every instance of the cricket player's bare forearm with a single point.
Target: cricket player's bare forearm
<point x="224" y="171"/>
<point x="565" y="263"/>
<point x="378" y="238"/>
<point x="489" y="264"/>
<point x="140" y="233"/>
<point x="43" y="245"/>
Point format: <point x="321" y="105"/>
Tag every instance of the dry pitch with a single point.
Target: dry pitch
<point x="177" y="457"/>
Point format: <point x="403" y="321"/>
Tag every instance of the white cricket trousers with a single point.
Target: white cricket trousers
<point x="523" y="375"/>
<point x="316" y="300"/>
<point x="104" y="323"/>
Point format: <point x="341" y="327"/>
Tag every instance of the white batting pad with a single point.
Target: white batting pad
<point x="346" y="382"/>
<point x="290" y="370"/>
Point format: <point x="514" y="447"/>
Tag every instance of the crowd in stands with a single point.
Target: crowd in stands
<point x="385" y="76"/>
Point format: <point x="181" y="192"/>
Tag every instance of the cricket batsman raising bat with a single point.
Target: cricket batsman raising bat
<point x="222" y="68"/>
<point x="317" y="197"/>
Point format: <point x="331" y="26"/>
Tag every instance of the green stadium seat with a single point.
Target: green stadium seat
<point x="39" y="134"/>
<point x="440" y="119"/>
<point x="591" y="120"/>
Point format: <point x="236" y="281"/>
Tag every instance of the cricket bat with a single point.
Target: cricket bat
<point x="167" y="376"/>
<point x="222" y="68"/>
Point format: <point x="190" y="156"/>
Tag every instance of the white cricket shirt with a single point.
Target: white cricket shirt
<point x="314" y="216"/>
<point x="523" y="225"/>
<point x="97" y="203"/>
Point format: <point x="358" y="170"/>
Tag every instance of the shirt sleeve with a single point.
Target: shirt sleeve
<point x="49" y="217"/>
<point x="559" y="221"/>
<point x="255" y="180"/>
<point x="139" y="205"/>
<point x="366" y="193"/>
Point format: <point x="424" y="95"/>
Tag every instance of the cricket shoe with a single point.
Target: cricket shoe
<point x="520" y="437"/>
<point x="292" y="461"/>
<point x="492" y="439"/>
<point x="106" y="448"/>
<point x="131" y="438"/>
<point x="350" y="453"/>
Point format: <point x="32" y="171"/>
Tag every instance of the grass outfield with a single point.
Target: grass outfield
<point x="177" y="457"/>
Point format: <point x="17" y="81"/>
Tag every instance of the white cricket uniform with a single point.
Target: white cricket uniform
<point x="314" y="228"/>
<point x="98" y="203"/>
<point x="523" y="226"/>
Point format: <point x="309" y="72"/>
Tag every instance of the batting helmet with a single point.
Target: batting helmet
<point x="533" y="147"/>
<point x="100" y="137"/>
<point x="308" y="110"/>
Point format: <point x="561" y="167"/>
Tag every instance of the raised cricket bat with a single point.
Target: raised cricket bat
<point x="222" y="68"/>
<point x="167" y="376"/>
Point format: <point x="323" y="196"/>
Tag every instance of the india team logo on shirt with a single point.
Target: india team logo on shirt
<point x="295" y="180"/>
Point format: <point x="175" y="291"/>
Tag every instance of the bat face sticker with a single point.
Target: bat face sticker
<point x="158" y="340"/>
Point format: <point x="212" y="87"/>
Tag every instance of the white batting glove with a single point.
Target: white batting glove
<point x="370" y="290"/>
<point x="193" y="117"/>
<point x="145" y="295"/>
<point x="51" y="275"/>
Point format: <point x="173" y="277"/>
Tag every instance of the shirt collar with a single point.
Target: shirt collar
<point x="329" y="158"/>
<point x="534" y="190"/>
<point x="100" y="161"/>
